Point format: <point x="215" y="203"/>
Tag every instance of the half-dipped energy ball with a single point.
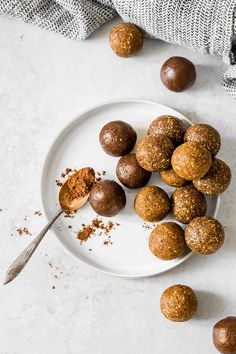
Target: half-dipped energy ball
<point x="172" y="179"/>
<point x="217" y="179"/>
<point x="178" y="303"/>
<point x="117" y="138"/>
<point x="169" y="126"/>
<point x="107" y="198"/>
<point x="152" y="203"/>
<point x="126" y="39"/>
<point x="204" y="235"/>
<point x="154" y="152"/>
<point x="224" y="335"/>
<point x="206" y="135"/>
<point x="191" y="160"/>
<point x="166" y="241"/>
<point x="187" y="203"/>
<point x="130" y="173"/>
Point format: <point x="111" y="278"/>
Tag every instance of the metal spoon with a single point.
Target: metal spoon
<point x="21" y="261"/>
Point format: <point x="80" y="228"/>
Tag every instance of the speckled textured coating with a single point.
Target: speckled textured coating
<point x="154" y="152"/>
<point x="126" y="39"/>
<point x="217" y="179"/>
<point x="130" y="173"/>
<point x="107" y="198"/>
<point x="169" y="126"/>
<point x="204" y="235"/>
<point x="206" y="135"/>
<point x="178" y="303"/>
<point x="117" y="138"/>
<point x="166" y="241"/>
<point x="224" y="335"/>
<point x="152" y="203"/>
<point x="172" y="179"/>
<point x="191" y="160"/>
<point x="178" y="74"/>
<point x="187" y="203"/>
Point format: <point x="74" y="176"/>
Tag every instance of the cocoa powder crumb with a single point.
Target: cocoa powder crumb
<point x="69" y="214"/>
<point x="85" y="233"/>
<point x="69" y="227"/>
<point x="23" y="231"/>
<point x="1" y="210"/>
<point x="96" y="224"/>
<point x="59" y="183"/>
<point x="90" y="249"/>
<point x="38" y="212"/>
<point x="53" y="287"/>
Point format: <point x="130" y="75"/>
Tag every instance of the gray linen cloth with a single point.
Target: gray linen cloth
<point x="207" y="26"/>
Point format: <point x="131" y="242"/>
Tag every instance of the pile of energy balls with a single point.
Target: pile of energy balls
<point x="185" y="159"/>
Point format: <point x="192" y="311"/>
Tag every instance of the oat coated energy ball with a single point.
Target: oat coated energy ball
<point x="224" y="335"/>
<point x="191" y="160"/>
<point x="204" y="235"/>
<point x="117" y="138"/>
<point x="169" y="126"/>
<point x="206" y="135"/>
<point x="187" y="203"/>
<point x="126" y="39"/>
<point x="167" y="241"/>
<point x="178" y="303"/>
<point x="152" y="203"/>
<point x="217" y="179"/>
<point x="172" y="179"/>
<point x="154" y="152"/>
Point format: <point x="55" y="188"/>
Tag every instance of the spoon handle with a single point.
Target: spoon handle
<point x="20" y="262"/>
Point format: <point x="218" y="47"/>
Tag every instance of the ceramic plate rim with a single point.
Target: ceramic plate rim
<point x="59" y="135"/>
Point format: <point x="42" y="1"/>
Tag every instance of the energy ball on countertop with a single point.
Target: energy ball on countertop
<point x="169" y="126"/>
<point x="152" y="203"/>
<point x="167" y="241"/>
<point x="178" y="303"/>
<point x="107" y="198"/>
<point x="206" y="135"/>
<point x="204" y="235"/>
<point x="217" y="179"/>
<point x="224" y="335"/>
<point x="130" y="173"/>
<point x="191" y="160"/>
<point x="187" y="203"/>
<point x="172" y="179"/>
<point x="117" y="138"/>
<point x="154" y="152"/>
<point x="178" y="74"/>
<point x="126" y="39"/>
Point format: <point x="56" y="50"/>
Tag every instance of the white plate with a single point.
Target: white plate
<point x="78" y="146"/>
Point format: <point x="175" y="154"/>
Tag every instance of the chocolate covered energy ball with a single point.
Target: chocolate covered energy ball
<point x="206" y="135"/>
<point x="224" y="335"/>
<point x="169" y="126"/>
<point x="187" y="203"/>
<point x="178" y="74"/>
<point x="154" y="152"/>
<point x="172" y="179"/>
<point x="178" y="303"/>
<point x="117" y="138"/>
<point x="204" y="235"/>
<point x="130" y="173"/>
<point x="166" y="241"/>
<point x="152" y="203"/>
<point x="217" y="179"/>
<point x="126" y="39"/>
<point x="107" y="198"/>
<point x="191" y="160"/>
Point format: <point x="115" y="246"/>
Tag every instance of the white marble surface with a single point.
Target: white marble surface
<point x="45" y="81"/>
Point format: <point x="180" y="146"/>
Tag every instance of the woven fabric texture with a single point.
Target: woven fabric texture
<point x="207" y="26"/>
